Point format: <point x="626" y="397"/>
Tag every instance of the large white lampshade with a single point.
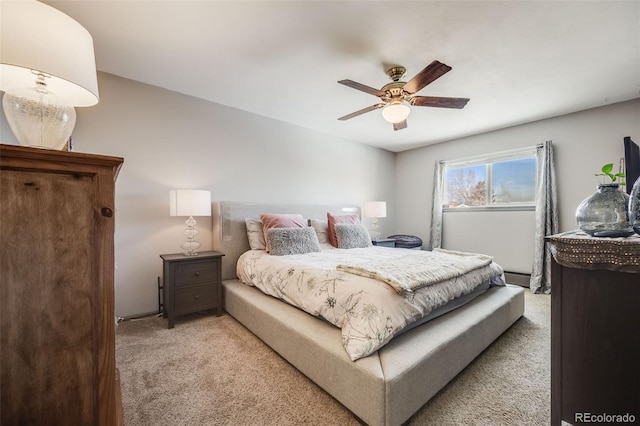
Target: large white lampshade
<point x="190" y="202"/>
<point x="47" y="66"/>
<point x="375" y="209"/>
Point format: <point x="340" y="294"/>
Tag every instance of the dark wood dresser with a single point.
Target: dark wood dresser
<point x="191" y="284"/>
<point x="595" y="329"/>
<point x="57" y="319"/>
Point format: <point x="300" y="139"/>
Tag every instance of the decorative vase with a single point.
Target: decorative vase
<point x="634" y="207"/>
<point x="604" y="214"/>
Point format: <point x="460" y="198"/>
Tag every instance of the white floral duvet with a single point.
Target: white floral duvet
<point x="369" y="312"/>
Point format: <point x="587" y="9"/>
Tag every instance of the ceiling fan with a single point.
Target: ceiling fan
<point x="398" y="95"/>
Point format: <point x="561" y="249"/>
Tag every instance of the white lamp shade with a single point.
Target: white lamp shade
<point x="375" y="209"/>
<point x="189" y="202"/>
<point x="396" y="112"/>
<point x="34" y="36"/>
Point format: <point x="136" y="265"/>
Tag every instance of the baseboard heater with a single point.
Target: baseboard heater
<point x="517" y="278"/>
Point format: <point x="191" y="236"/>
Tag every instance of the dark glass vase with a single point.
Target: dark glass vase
<point x="634" y="207"/>
<point x="605" y="213"/>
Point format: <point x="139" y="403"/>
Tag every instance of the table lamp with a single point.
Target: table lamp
<point x="190" y="202"/>
<point x="47" y="66"/>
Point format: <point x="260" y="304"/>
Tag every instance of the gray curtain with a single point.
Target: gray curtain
<point x="436" y="209"/>
<point x="546" y="220"/>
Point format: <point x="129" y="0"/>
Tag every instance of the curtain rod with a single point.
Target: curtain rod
<point x="493" y="154"/>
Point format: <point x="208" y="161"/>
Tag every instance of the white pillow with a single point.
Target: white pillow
<point x="322" y="230"/>
<point x="255" y="234"/>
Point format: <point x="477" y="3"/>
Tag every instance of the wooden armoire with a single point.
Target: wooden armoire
<point x="57" y="320"/>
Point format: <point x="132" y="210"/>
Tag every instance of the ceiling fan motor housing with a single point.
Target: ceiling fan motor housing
<point x="393" y="91"/>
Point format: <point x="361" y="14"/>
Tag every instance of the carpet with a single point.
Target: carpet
<point x="210" y="370"/>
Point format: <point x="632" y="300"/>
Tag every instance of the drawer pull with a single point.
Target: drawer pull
<point x="197" y="296"/>
<point x="197" y="273"/>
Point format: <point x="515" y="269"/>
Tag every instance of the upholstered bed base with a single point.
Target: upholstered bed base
<point x="388" y="387"/>
<point x="385" y="388"/>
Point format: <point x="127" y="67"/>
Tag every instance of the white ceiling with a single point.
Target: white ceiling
<point x="518" y="61"/>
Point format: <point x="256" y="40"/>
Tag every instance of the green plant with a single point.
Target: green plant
<point x="607" y="170"/>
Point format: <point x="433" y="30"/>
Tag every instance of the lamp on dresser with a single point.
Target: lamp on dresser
<point x="375" y="210"/>
<point x="47" y="66"/>
<point x="190" y="202"/>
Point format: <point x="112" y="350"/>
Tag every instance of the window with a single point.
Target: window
<point x="506" y="180"/>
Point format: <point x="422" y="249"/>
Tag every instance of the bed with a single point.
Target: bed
<point x="388" y="385"/>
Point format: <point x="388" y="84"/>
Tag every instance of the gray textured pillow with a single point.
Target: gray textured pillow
<point x="285" y="241"/>
<point x="352" y="235"/>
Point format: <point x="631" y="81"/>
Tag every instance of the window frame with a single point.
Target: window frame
<point x="487" y="159"/>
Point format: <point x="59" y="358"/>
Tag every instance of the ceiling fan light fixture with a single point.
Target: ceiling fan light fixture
<point x="396" y="112"/>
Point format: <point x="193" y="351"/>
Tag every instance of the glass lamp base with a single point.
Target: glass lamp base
<point x="36" y="120"/>
<point x="375" y="229"/>
<point x="191" y="246"/>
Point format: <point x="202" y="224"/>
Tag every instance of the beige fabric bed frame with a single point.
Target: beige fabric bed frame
<point x="385" y="388"/>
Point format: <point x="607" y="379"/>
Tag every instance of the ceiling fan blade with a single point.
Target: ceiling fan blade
<point x="401" y="125"/>
<point x="434" y="101"/>
<point x="432" y="72"/>
<point x="362" y="111"/>
<point x="362" y="87"/>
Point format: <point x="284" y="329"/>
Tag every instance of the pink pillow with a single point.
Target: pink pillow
<point x="280" y="221"/>
<point x="332" y="220"/>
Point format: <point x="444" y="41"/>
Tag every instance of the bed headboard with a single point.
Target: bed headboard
<point x="230" y="231"/>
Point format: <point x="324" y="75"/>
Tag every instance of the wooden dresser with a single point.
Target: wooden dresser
<point x="57" y="322"/>
<point x="595" y="329"/>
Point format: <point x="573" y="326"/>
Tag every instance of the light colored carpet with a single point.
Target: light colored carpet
<point x="210" y="370"/>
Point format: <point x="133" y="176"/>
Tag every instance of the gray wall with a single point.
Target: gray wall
<point x="583" y="142"/>
<point x="169" y="140"/>
<point x="172" y="141"/>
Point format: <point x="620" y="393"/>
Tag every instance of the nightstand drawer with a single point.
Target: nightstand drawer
<point x="196" y="272"/>
<point x="195" y="298"/>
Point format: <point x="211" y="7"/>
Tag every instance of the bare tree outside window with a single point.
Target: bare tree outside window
<point x="466" y="187"/>
<point x="495" y="183"/>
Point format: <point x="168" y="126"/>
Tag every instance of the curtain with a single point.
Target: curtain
<point x="546" y="220"/>
<point x="436" y="209"/>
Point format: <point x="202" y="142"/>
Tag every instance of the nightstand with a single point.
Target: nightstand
<point x="385" y="242"/>
<point x="191" y="284"/>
